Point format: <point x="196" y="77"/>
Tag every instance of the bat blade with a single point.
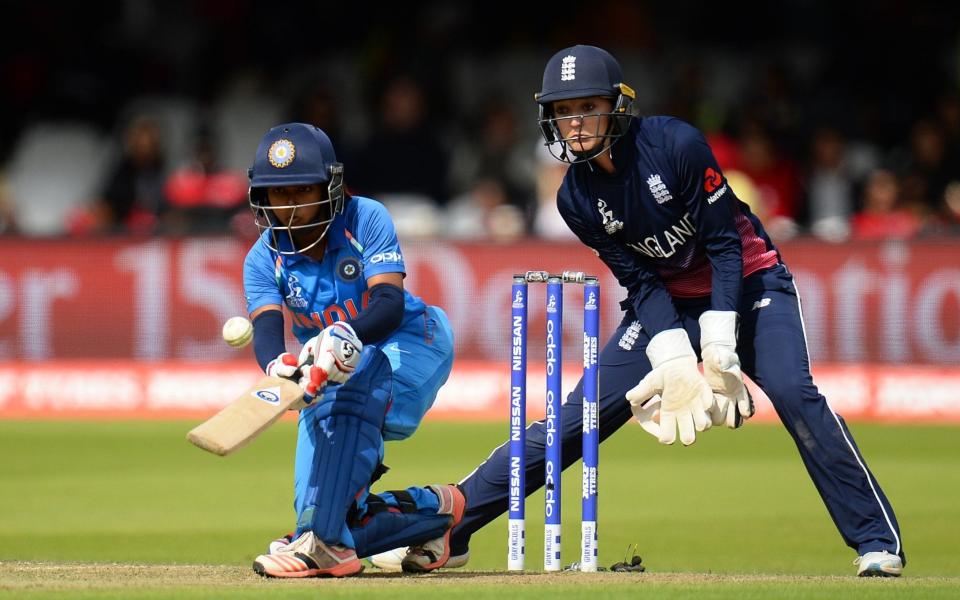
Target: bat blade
<point x="252" y="412"/>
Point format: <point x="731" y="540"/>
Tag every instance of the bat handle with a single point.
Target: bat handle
<point x="308" y="398"/>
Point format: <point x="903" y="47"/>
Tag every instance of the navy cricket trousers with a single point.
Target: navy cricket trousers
<point x="773" y="352"/>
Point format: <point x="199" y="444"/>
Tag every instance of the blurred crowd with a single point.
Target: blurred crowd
<point x="436" y="120"/>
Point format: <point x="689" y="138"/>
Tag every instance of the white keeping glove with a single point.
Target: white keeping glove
<point x="684" y="395"/>
<point x="732" y="403"/>
<point x="284" y="365"/>
<point x="648" y="415"/>
<point x="331" y="356"/>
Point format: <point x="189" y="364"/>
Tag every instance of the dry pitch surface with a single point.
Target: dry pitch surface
<point x="48" y="579"/>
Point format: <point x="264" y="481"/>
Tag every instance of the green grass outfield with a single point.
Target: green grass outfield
<point x="129" y="509"/>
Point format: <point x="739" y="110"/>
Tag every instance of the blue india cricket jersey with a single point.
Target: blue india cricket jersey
<point x="666" y="222"/>
<point x="362" y="242"/>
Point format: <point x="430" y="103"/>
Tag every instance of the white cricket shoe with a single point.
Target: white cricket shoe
<point x="279" y="544"/>
<point x="308" y="556"/>
<point x="878" y="564"/>
<point x="390" y="560"/>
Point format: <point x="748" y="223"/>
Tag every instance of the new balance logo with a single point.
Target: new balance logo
<point x="568" y="68"/>
<point x="659" y="190"/>
<point x="761" y="303"/>
<point x="629" y="337"/>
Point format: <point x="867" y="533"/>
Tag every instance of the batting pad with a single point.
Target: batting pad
<point x="347" y="446"/>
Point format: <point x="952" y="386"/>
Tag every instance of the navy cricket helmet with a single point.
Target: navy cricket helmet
<point x="581" y="72"/>
<point x="295" y="154"/>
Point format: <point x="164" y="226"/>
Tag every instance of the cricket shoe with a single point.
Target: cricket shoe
<point x="878" y="564"/>
<point x="436" y="553"/>
<point x="391" y="561"/>
<point x="388" y="561"/>
<point x="308" y="556"/>
<point x="457" y="560"/>
<point x="279" y="544"/>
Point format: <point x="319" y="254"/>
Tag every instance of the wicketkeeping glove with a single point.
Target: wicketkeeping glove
<point x="648" y="415"/>
<point x="732" y="403"/>
<point x="331" y="356"/>
<point x="684" y="394"/>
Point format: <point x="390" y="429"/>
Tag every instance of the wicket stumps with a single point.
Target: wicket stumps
<point x="552" y="425"/>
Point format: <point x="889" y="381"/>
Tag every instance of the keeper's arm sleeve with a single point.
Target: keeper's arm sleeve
<point x="713" y="209"/>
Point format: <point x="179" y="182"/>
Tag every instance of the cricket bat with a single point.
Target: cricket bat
<point x="241" y="421"/>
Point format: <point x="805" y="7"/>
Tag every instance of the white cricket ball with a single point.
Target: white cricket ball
<point x="237" y="331"/>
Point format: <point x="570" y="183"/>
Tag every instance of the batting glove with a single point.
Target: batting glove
<point x="331" y="356"/>
<point x="732" y="403"/>
<point x="683" y="393"/>
<point x="284" y="365"/>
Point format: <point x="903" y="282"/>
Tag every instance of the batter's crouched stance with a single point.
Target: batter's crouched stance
<point x="703" y="282"/>
<point x="374" y="357"/>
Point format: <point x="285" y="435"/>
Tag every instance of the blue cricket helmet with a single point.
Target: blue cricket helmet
<point x="292" y="154"/>
<point x="581" y="72"/>
<point x="295" y="154"/>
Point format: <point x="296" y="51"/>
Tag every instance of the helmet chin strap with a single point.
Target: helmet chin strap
<point x="609" y="153"/>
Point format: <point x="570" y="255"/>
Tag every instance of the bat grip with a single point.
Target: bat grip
<point x="308" y="398"/>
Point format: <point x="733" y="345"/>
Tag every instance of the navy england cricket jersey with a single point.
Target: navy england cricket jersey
<point x="666" y="222"/>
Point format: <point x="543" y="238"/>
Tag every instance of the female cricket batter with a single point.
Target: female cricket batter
<point x="373" y="358"/>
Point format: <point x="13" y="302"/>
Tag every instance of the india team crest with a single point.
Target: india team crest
<point x="281" y="153"/>
<point x="349" y="269"/>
